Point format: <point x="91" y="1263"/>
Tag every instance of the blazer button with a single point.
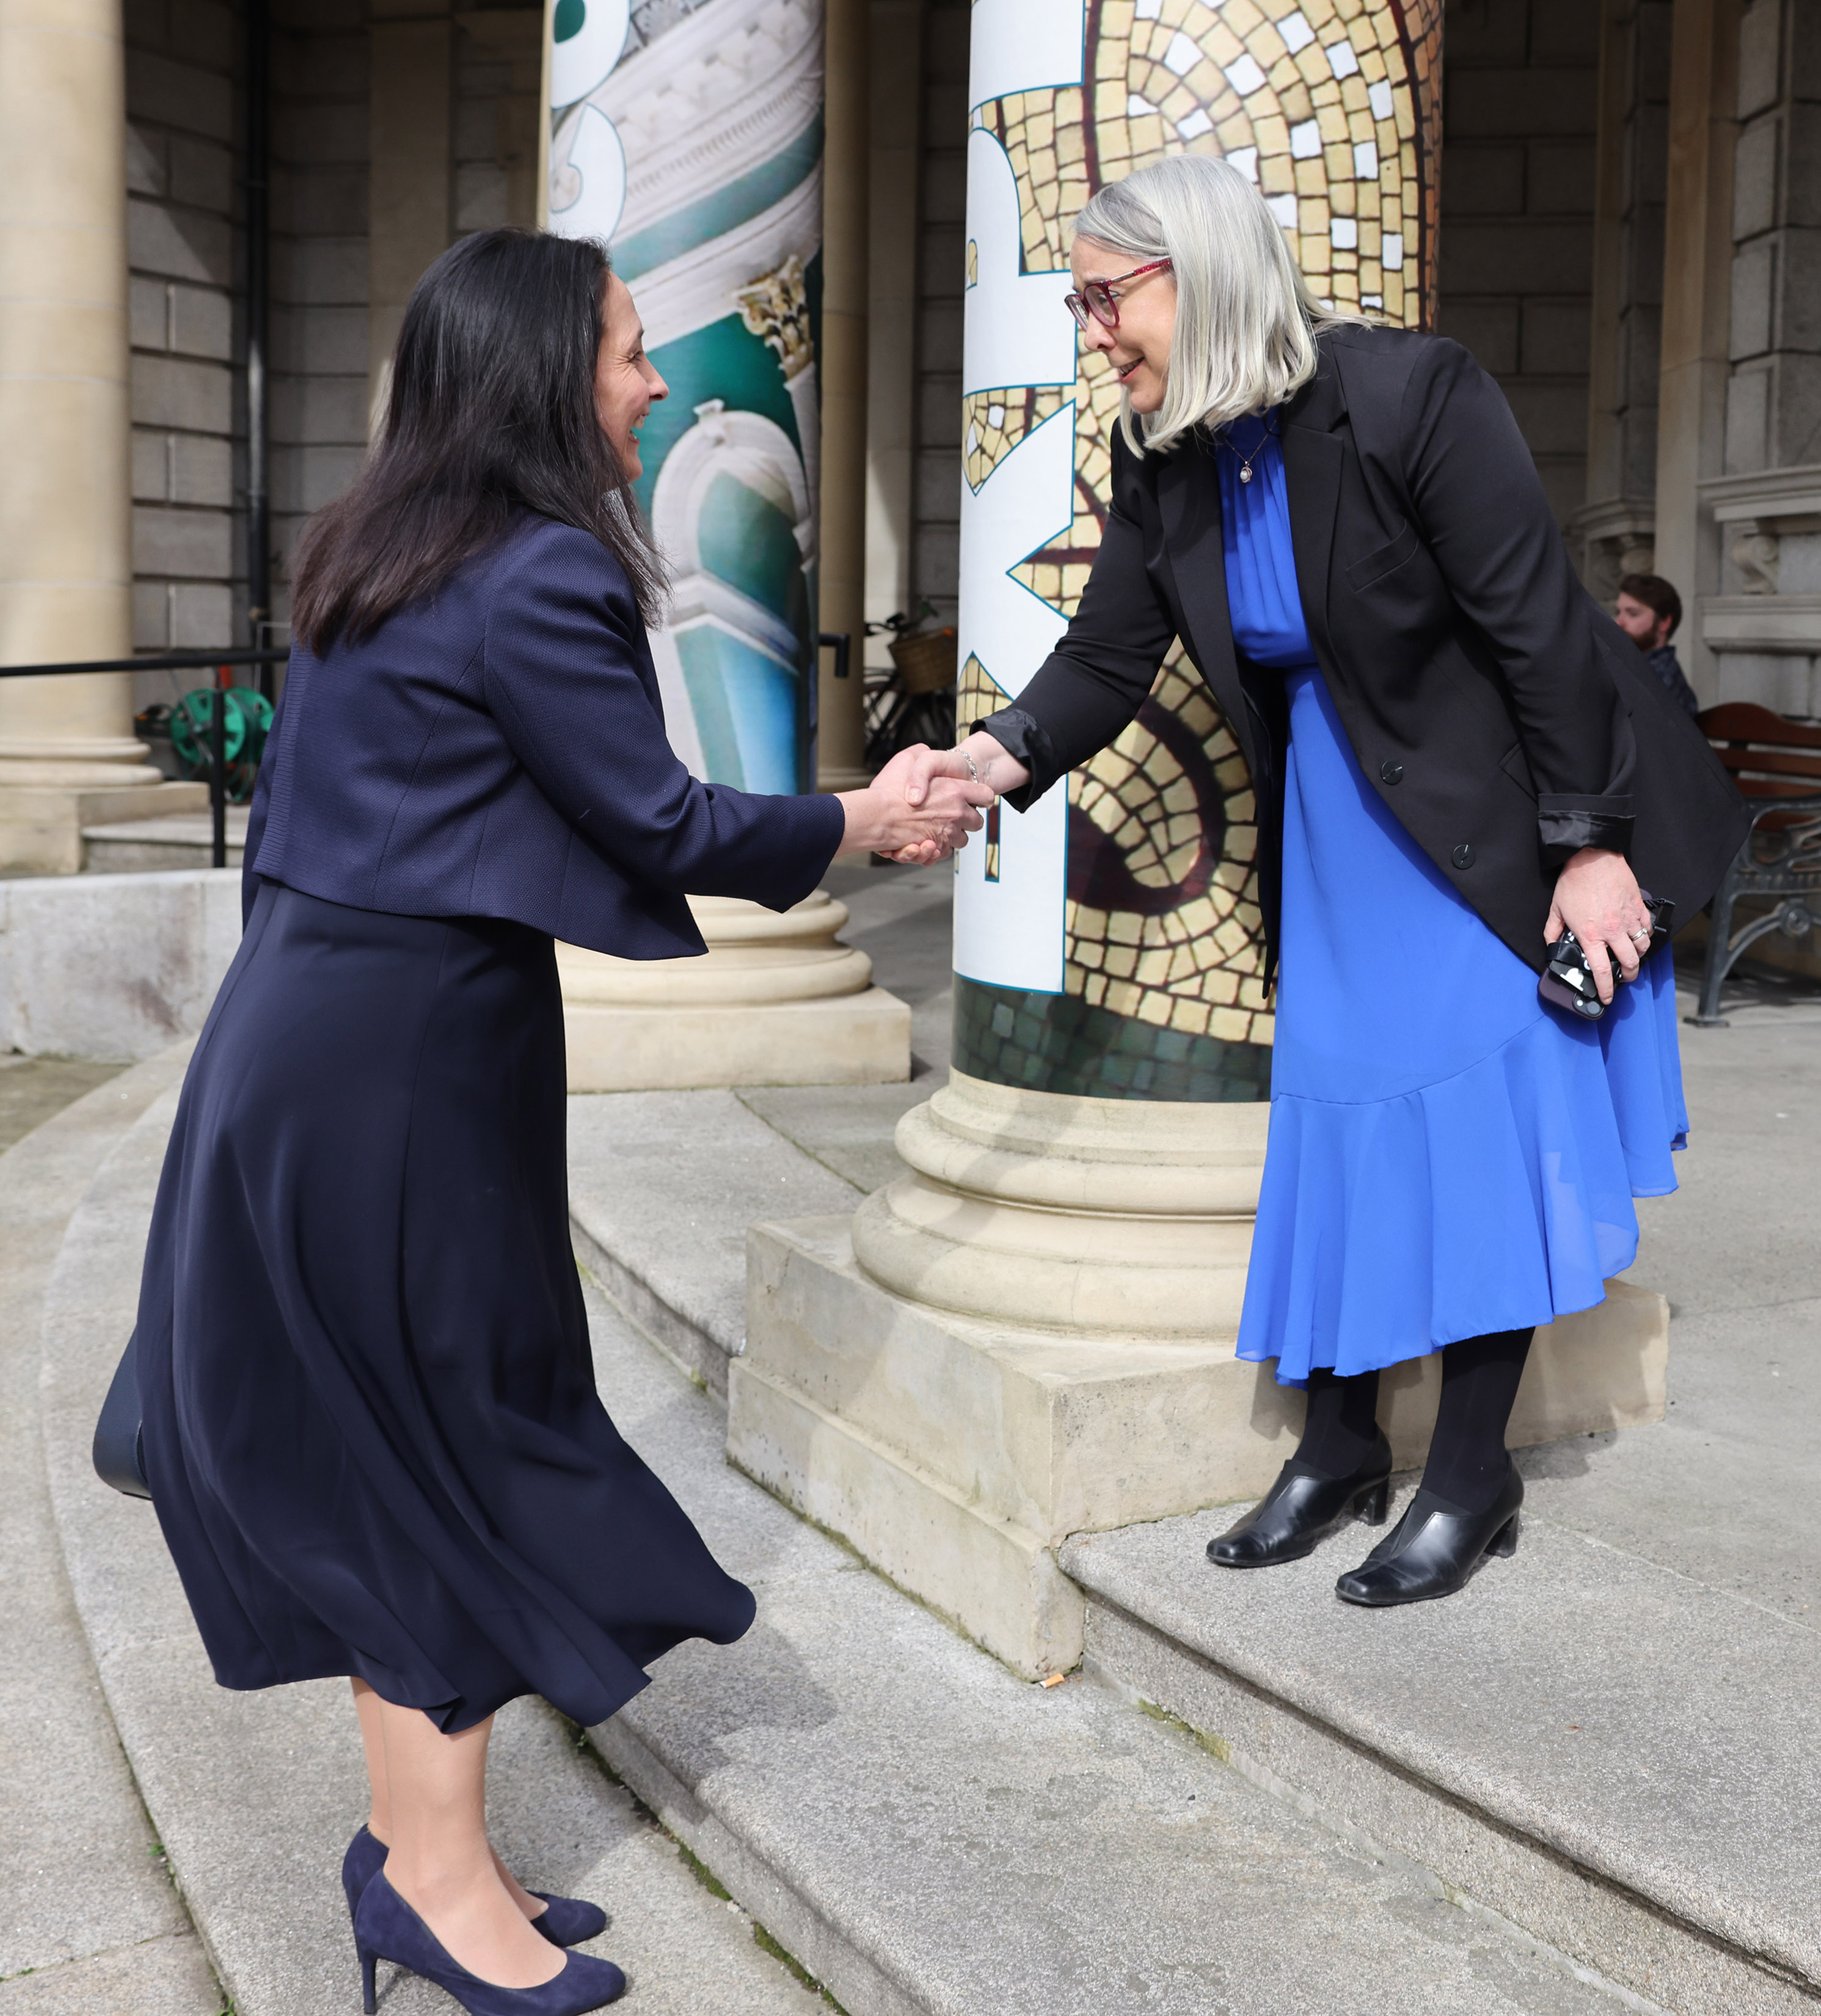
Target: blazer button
<point x="1463" y="856"/>
<point x="1390" y="773"/>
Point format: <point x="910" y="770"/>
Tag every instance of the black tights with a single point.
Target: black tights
<point x="1467" y="1453"/>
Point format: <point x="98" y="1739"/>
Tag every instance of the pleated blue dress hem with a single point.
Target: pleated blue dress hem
<point x="1448" y="1156"/>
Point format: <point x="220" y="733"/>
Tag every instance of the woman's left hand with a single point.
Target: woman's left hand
<point x="1598" y="899"/>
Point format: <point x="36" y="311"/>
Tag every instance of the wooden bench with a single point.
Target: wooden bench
<point x="1777" y="764"/>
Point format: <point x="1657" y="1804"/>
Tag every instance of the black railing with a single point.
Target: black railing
<point x="173" y="661"/>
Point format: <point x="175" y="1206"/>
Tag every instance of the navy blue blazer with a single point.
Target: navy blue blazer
<point x="498" y="749"/>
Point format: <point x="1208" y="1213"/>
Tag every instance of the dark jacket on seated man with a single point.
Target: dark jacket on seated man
<point x="497" y="749"/>
<point x="1664" y="662"/>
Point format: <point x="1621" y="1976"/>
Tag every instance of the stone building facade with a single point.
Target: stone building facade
<point x="1630" y="242"/>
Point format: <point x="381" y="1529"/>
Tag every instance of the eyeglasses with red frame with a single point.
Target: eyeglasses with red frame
<point x="1097" y="298"/>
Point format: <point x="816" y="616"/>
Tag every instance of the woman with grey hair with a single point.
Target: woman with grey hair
<point x="1455" y="758"/>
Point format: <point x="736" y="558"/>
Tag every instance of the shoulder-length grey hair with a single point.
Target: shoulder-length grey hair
<point x="1246" y="322"/>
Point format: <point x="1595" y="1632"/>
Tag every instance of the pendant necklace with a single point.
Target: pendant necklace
<point x="1245" y="461"/>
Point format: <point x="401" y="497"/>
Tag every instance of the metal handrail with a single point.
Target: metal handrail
<point x="172" y="661"/>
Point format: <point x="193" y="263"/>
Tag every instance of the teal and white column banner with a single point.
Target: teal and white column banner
<point x="1010" y="895"/>
<point x="689" y="139"/>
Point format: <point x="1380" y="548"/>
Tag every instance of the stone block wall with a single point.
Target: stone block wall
<point x="499" y="65"/>
<point x="317" y="422"/>
<point x="1773" y="398"/>
<point x="1516" y="249"/>
<point x="1764" y="625"/>
<point x="1613" y="533"/>
<point x="189" y="469"/>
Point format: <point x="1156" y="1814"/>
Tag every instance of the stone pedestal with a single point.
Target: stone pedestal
<point x="777" y="1000"/>
<point x="1031" y="1334"/>
<point x="68" y="757"/>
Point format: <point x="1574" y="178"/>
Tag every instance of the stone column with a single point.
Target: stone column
<point x="411" y="53"/>
<point x="693" y="146"/>
<point x="842" y="516"/>
<point x="1697" y="277"/>
<point x="891" y="336"/>
<point x="1032" y="1333"/>
<point x="67" y="753"/>
<point x="1613" y="531"/>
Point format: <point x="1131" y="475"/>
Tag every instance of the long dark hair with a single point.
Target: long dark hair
<point x="492" y="412"/>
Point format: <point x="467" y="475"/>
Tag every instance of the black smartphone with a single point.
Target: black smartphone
<point x="1566" y="983"/>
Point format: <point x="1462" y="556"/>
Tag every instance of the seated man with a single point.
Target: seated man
<point x="1647" y="610"/>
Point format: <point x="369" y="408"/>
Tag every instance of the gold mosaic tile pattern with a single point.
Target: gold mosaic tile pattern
<point x="1334" y="106"/>
<point x="1190" y="959"/>
<point x="993" y="423"/>
<point x="1331" y="106"/>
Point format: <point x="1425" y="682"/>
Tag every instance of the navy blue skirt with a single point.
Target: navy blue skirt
<point x="371" y="1427"/>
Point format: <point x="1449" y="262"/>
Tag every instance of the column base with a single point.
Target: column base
<point x="861" y="1039"/>
<point x="41" y="826"/>
<point x="955" y="1455"/>
<point x="777" y="999"/>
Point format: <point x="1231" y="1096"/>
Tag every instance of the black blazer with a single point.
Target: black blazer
<point x="1504" y="718"/>
<point x="497" y="749"/>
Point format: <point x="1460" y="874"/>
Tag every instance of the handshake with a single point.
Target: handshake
<point x="925" y="802"/>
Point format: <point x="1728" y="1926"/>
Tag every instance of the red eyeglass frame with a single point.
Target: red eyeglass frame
<point x="1097" y="300"/>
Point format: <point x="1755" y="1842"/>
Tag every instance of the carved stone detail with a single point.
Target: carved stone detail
<point x="1755" y="553"/>
<point x="776" y="309"/>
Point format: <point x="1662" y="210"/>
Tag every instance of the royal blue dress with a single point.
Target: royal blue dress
<point x="1448" y="1157"/>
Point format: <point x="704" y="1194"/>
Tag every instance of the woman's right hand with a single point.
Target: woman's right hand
<point x="990" y="765"/>
<point x="886" y="818"/>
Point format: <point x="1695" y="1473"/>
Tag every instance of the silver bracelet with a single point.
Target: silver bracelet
<point x="973" y="767"/>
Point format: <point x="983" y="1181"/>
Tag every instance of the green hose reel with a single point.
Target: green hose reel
<point x="245" y="721"/>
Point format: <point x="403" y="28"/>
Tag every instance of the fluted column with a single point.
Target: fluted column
<point x="66" y="533"/>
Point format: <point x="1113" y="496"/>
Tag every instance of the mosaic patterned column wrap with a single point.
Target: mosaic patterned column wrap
<point x="687" y="136"/>
<point x="1109" y="945"/>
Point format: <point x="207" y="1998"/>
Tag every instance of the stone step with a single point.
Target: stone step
<point x="929" y="1834"/>
<point x="1665" y="1841"/>
<point x="1615" y="1757"/>
<point x="176" y="839"/>
<point x="90" y="1920"/>
<point x="254" y="1796"/>
<point x="923" y="1831"/>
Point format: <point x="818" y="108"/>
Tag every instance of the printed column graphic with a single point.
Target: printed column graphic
<point x="1109" y="945"/>
<point x="687" y="138"/>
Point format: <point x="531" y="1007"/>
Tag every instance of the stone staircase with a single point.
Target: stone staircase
<point x="1615" y="1758"/>
<point x="922" y="1831"/>
<point x="1590" y="1749"/>
<point x="1585" y="1783"/>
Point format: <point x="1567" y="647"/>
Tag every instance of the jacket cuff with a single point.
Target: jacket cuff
<point x="1567" y="823"/>
<point x="1018" y="734"/>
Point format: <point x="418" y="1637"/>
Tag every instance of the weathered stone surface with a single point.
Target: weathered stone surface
<point x="662" y="1188"/>
<point x="88" y="1907"/>
<point x="1576" y="1709"/>
<point x="165" y="1976"/>
<point x="114" y="966"/>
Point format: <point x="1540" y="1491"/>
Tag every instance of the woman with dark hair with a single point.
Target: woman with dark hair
<point x="1456" y="756"/>
<point x="371" y="1430"/>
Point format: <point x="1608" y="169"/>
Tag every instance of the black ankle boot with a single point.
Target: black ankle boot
<point x="1434" y="1549"/>
<point x="1300" y="1507"/>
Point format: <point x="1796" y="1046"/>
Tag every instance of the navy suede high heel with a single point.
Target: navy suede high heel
<point x="386" y="1928"/>
<point x="565" y="1921"/>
